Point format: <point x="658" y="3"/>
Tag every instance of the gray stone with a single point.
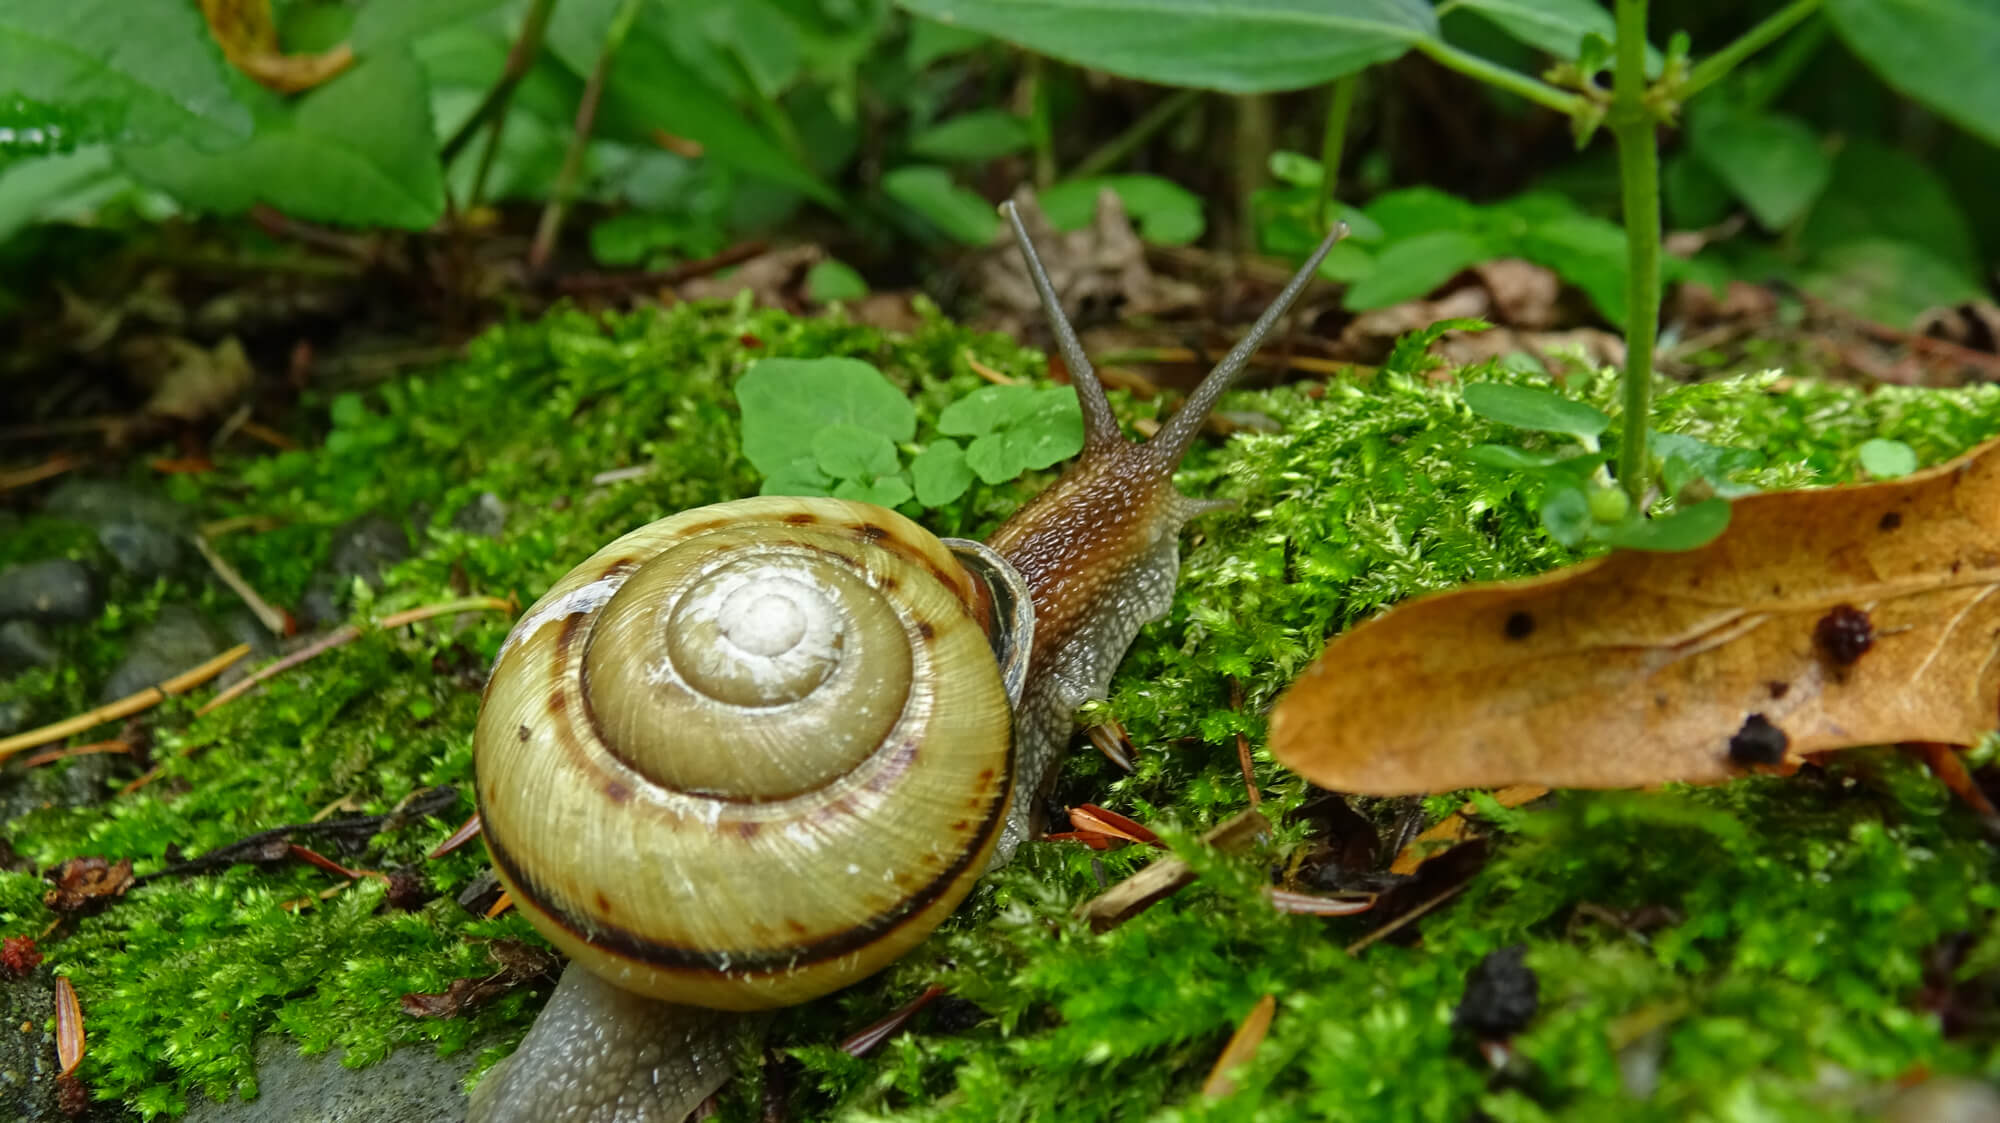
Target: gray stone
<point x="24" y="643"/>
<point x="362" y="548"/>
<point x="54" y="590"/>
<point x="175" y="641"/>
<point x="102" y="502"/>
<point x="485" y="516"/>
<point x="142" y="548"/>
<point x="411" y="1085"/>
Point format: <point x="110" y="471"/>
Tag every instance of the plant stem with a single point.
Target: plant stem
<point x="1152" y="121"/>
<point x="520" y="57"/>
<point x="1338" y="113"/>
<point x="1256" y="125"/>
<point x="1633" y="126"/>
<point x="586" y="118"/>
<point x="1039" y="127"/>
<point x="1513" y="81"/>
<point x="1711" y="69"/>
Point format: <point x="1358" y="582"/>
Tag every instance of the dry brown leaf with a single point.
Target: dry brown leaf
<point x="188" y="381"/>
<point x="249" y="40"/>
<point x="69" y="1027"/>
<point x="1242" y="1046"/>
<point x="1819" y="620"/>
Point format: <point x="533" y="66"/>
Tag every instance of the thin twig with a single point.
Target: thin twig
<point x="123" y="707"/>
<point x="493" y="107"/>
<point x="583" y="283"/>
<point x="586" y="118"/>
<point x="1362" y="944"/>
<point x="274" y="620"/>
<point x="54" y="466"/>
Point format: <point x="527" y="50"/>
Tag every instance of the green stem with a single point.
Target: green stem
<point x="1256" y="125"/>
<point x="1040" y="130"/>
<point x="1114" y="151"/>
<point x="1513" y="81"/>
<point x="565" y="187"/>
<point x="520" y="57"/>
<point x="1633" y="126"/>
<point x="1776" y="73"/>
<point x="1711" y="69"/>
<point x="1338" y="113"/>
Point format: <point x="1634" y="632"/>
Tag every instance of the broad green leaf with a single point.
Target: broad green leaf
<point x="1419" y="210"/>
<point x="940" y="473"/>
<point x="388" y="23"/>
<point x="1684" y="459"/>
<point x="1888" y="281"/>
<point x="961" y="213"/>
<point x="799" y="476"/>
<point x="352" y="151"/>
<point x="1166" y="213"/>
<point x="1586" y="251"/>
<point x="31" y="190"/>
<point x="931" y="41"/>
<point x="1886" y="459"/>
<point x="972" y="138"/>
<point x="140" y="71"/>
<point x="1774" y="163"/>
<point x="1684" y="529"/>
<point x="850" y="452"/>
<point x="786" y="402"/>
<point x="1940" y="52"/>
<point x="1556" y="27"/>
<point x="831" y="280"/>
<point x="1525" y="407"/>
<point x="991" y="409"/>
<point x="1510" y="459"/>
<point x="1409" y="268"/>
<point x="649" y="88"/>
<point x="1297" y="169"/>
<point x="1883" y="192"/>
<point x="1245" y="47"/>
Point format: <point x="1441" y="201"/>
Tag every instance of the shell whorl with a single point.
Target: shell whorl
<point x="747" y="754"/>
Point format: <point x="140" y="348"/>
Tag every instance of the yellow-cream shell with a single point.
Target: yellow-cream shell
<point x="715" y="888"/>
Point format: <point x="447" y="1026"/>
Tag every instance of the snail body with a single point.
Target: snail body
<point x="754" y="752"/>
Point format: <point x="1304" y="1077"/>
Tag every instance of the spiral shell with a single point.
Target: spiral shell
<point x="747" y="754"/>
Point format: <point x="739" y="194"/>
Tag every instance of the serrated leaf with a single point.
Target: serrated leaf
<point x="786" y="402"/>
<point x="351" y="152"/>
<point x="940" y="473"/>
<point x="1525" y="407"/>
<point x="122" y="71"/>
<point x="1249" y="46"/>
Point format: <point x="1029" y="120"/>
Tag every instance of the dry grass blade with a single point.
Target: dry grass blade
<point x="123" y="707"/>
<point x="1319" y="904"/>
<point x="1167" y="875"/>
<point x="1819" y="620"/>
<point x="1241" y="1048"/>
<point x="466" y="832"/>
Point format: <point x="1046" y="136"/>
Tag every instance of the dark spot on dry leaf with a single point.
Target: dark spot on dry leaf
<point x="1844" y="634"/>
<point x="1501" y="995"/>
<point x="1777" y="688"/>
<point x="1758" y="742"/>
<point x="1520" y="625"/>
<point x="1891" y="521"/>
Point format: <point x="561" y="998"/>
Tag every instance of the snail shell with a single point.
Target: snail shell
<point x="795" y="710"/>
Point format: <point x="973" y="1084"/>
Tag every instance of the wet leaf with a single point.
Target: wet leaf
<point x="1640" y="668"/>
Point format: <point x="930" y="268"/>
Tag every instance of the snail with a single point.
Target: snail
<point x="753" y="752"/>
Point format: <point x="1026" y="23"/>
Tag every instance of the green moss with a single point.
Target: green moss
<point x="1797" y="915"/>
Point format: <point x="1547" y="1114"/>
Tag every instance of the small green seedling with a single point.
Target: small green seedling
<point x="837" y="427"/>
<point x="1580" y="501"/>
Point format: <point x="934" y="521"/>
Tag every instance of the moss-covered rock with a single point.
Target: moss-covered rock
<point x="1763" y="950"/>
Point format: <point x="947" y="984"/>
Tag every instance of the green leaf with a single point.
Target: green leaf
<point x="1586" y="251"/>
<point x="1410" y="355"/>
<point x="1684" y="459"/>
<point x="1418" y="210"/>
<point x="382" y="24"/>
<point x="33" y="190"/>
<point x="1525" y="407"/>
<point x="1297" y="169"/>
<point x="1409" y="268"/>
<point x="962" y="214"/>
<point x="1015" y="428"/>
<point x="831" y="280"/>
<point x="972" y="138"/>
<point x="798" y="477"/>
<point x="787" y="402"/>
<point x="1774" y="163"/>
<point x="137" y="71"/>
<point x="1885" y="459"/>
<point x="940" y="473"/>
<point x="1507" y="458"/>
<point x="931" y="41"/>
<point x="850" y="452"/>
<point x="1245" y="47"/>
<point x="1883" y="192"/>
<point x="1940" y="52"/>
<point x="1555" y="27"/>
<point x="1685" y="529"/>
<point x="1166" y="213"/>
<point x="1566" y="514"/>
<point x="357" y="150"/>
<point x="1888" y="281"/>
<point x="883" y="491"/>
